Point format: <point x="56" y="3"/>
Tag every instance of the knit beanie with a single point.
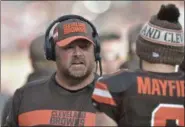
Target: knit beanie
<point x="161" y="40"/>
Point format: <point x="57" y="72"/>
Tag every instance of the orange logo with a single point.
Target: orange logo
<point x="74" y="27"/>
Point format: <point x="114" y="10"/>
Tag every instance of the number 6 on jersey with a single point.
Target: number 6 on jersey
<point x="164" y="112"/>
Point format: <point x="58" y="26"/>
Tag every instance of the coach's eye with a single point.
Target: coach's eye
<point x="68" y="47"/>
<point x="84" y="46"/>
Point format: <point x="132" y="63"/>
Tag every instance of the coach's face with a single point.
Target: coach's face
<point x="76" y="59"/>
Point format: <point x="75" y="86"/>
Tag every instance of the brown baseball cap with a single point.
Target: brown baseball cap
<point x="70" y="30"/>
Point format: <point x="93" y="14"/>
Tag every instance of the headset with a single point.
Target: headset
<point x="49" y="45"/>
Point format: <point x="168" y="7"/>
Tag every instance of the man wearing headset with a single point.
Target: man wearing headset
<point x="65" y="98"/>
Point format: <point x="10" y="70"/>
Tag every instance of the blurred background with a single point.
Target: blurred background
<point x="23" y="21"/>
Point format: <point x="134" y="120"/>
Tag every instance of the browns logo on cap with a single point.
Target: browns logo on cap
<point x="70" y="30"/>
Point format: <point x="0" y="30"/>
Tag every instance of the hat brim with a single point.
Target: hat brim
<point x="67" y="41"/>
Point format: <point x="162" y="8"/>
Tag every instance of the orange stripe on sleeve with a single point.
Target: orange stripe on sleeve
<point x="101" y="86"/>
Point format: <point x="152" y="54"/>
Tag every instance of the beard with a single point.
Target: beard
<point x="78" y="71"/>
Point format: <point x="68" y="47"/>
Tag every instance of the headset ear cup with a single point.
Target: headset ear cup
<point x="49" y="49"/>
<point x="52" y="49"/>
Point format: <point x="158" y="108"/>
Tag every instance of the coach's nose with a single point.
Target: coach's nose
<point x="77" y="51"/>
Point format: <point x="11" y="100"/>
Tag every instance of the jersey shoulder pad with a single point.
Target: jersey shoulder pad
<point x="118" y="81"/>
